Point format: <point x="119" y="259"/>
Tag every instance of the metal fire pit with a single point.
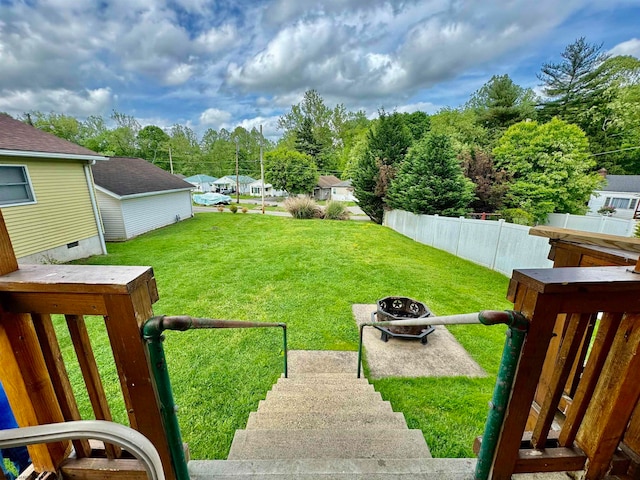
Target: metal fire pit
<point x="402" y="308"/>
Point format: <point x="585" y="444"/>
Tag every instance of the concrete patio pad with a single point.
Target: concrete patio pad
<point x="442" y="356"/>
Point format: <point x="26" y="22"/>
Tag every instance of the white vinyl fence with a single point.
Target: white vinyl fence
<point x="591" y="223"/>
<point x="500" y="246"/>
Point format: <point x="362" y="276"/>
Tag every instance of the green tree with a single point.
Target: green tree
<point x="121" y="140"/>
<point x="152" y="143"/>
<point x="430" y="180"/>
<point x="462" y="127"/>
<point x="574" y="84"/>
<point x="418" y="124"/>
<point x="290" y="170"/>
<point x="500" y="103"/>
<point x="388" y="140"/>
<point x="184" y="151"/>
<point x="550" y="165"/>
<point x="60" y="125"/>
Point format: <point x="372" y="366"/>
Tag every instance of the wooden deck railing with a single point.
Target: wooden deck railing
<point x="578" y="369"/>
<point x="33" y="371"/>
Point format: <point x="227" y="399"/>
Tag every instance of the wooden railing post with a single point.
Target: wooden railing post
<point x="8" y="261"/>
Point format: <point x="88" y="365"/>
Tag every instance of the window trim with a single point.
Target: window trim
<point x="29" y="183"/>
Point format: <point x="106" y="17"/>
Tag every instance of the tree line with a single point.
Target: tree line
<point x="505" y="150"/>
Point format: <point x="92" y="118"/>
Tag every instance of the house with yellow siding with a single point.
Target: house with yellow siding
<point x="47" y="195"/>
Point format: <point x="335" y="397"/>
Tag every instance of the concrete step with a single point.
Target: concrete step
<point x="324" y="378"/>
<point x="323" y="396"/>
<point x="315" y="387"/>
<point x="344" y="421"/>
<point x="322" y="361"/>
<point x="328" y="408"/>
<point x="328" y="443"/>
<point x="334" y="469"/>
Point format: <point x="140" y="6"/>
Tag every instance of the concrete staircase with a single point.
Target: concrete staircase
<point x="324" y="423"/>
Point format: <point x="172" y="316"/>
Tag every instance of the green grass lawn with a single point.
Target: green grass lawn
<point x="306" y="273"/>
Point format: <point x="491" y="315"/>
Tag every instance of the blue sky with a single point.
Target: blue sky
<point x="219" y="64"/>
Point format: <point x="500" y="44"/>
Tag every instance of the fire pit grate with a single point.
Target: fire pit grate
<point x="402" y="308"/>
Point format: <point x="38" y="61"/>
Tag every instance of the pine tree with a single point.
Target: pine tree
<point x="430" y="180"/>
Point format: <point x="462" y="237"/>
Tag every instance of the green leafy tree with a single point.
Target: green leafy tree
<point x="152" y="143"/>
<point x="430" y="180"/>
<point x="291" y="171"/>
<point x="60" y="125"/>
<point x="551" y="168"/>
<point x="500" y="103"/>
<point x="121" y="140"/>
<point x="462" y="127"/>
<point x="387" y="143"/>
<point x="184" y="151"/>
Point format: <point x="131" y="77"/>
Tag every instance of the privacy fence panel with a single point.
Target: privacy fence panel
<point x="497" y="245"/>
<point x="591" y="223"/>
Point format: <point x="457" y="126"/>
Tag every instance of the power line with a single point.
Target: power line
<point x="615" y="151"/>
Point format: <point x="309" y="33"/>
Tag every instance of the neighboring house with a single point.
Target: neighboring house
<point x="322" y="191"/>
<point x="47" y="195"/>
<point x="621" y="192"/>
<point x="203" y="183"/>
<point x="343" y="192"/>
<point x="135" y="197"/>
<point x="228" y="184"/>
<point x="255" y="190"/>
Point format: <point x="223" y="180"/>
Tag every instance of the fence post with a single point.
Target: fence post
<point x="495" y="253"/>
<point x="567" y="217"/>
<point x="603" y="224"/>
<point x="459" y="234"/>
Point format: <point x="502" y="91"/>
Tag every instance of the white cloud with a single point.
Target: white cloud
<point x="178" y="74"/>
<point x="216" y="39"/>
<point x="74" y="103"/>
<point x="269" y="125"/>
<point x="630" y="47"/>
<point x="214" y="117"/>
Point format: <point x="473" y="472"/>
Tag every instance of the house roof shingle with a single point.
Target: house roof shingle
<point x="16" y="135"/>
<point x="200" y="178"/>
<point x="622" y="183"/>
<point x="130" y="176"/>
<point x="328" y="181"/>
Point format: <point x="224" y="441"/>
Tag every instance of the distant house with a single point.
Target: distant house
<point x="202" y="183"/>
<point x="322" y="191"/>
<point x="228" y="184"/>
<point x="135" y="197"/>
<point x="255" y="190"/>
<point x="47" y="195"/>
<point x="621" y="192"/>
<point x="343" y="192"/>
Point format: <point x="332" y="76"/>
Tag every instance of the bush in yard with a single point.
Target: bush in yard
<point x="302" y="207"/>
<point x="234" y="208"/>
<point x="336" y="211"/>
<point x="244" y="210"/>
<point x="220" y="208"/>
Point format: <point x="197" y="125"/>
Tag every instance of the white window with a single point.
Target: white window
<point x="621" y="203"/>
<point x="15" y="186"/>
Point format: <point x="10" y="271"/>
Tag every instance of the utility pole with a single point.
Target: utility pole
<point x="261" y="169"/>
<point x="237" y="178"/>
<point x="170" y="161"/>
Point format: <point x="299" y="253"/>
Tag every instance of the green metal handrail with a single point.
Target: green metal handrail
<point x="152" y="333"/>
<point x="516" y="334"/>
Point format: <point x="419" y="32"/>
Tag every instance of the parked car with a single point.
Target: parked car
<point x="211" y="198"/>
<point x="228" y="191"/>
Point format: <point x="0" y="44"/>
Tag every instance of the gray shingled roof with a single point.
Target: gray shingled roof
<point x="129" y="176"/>
<point x="16" y="135"/>
<point x="328" y="181"/>
<point x="622" y="183"/>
